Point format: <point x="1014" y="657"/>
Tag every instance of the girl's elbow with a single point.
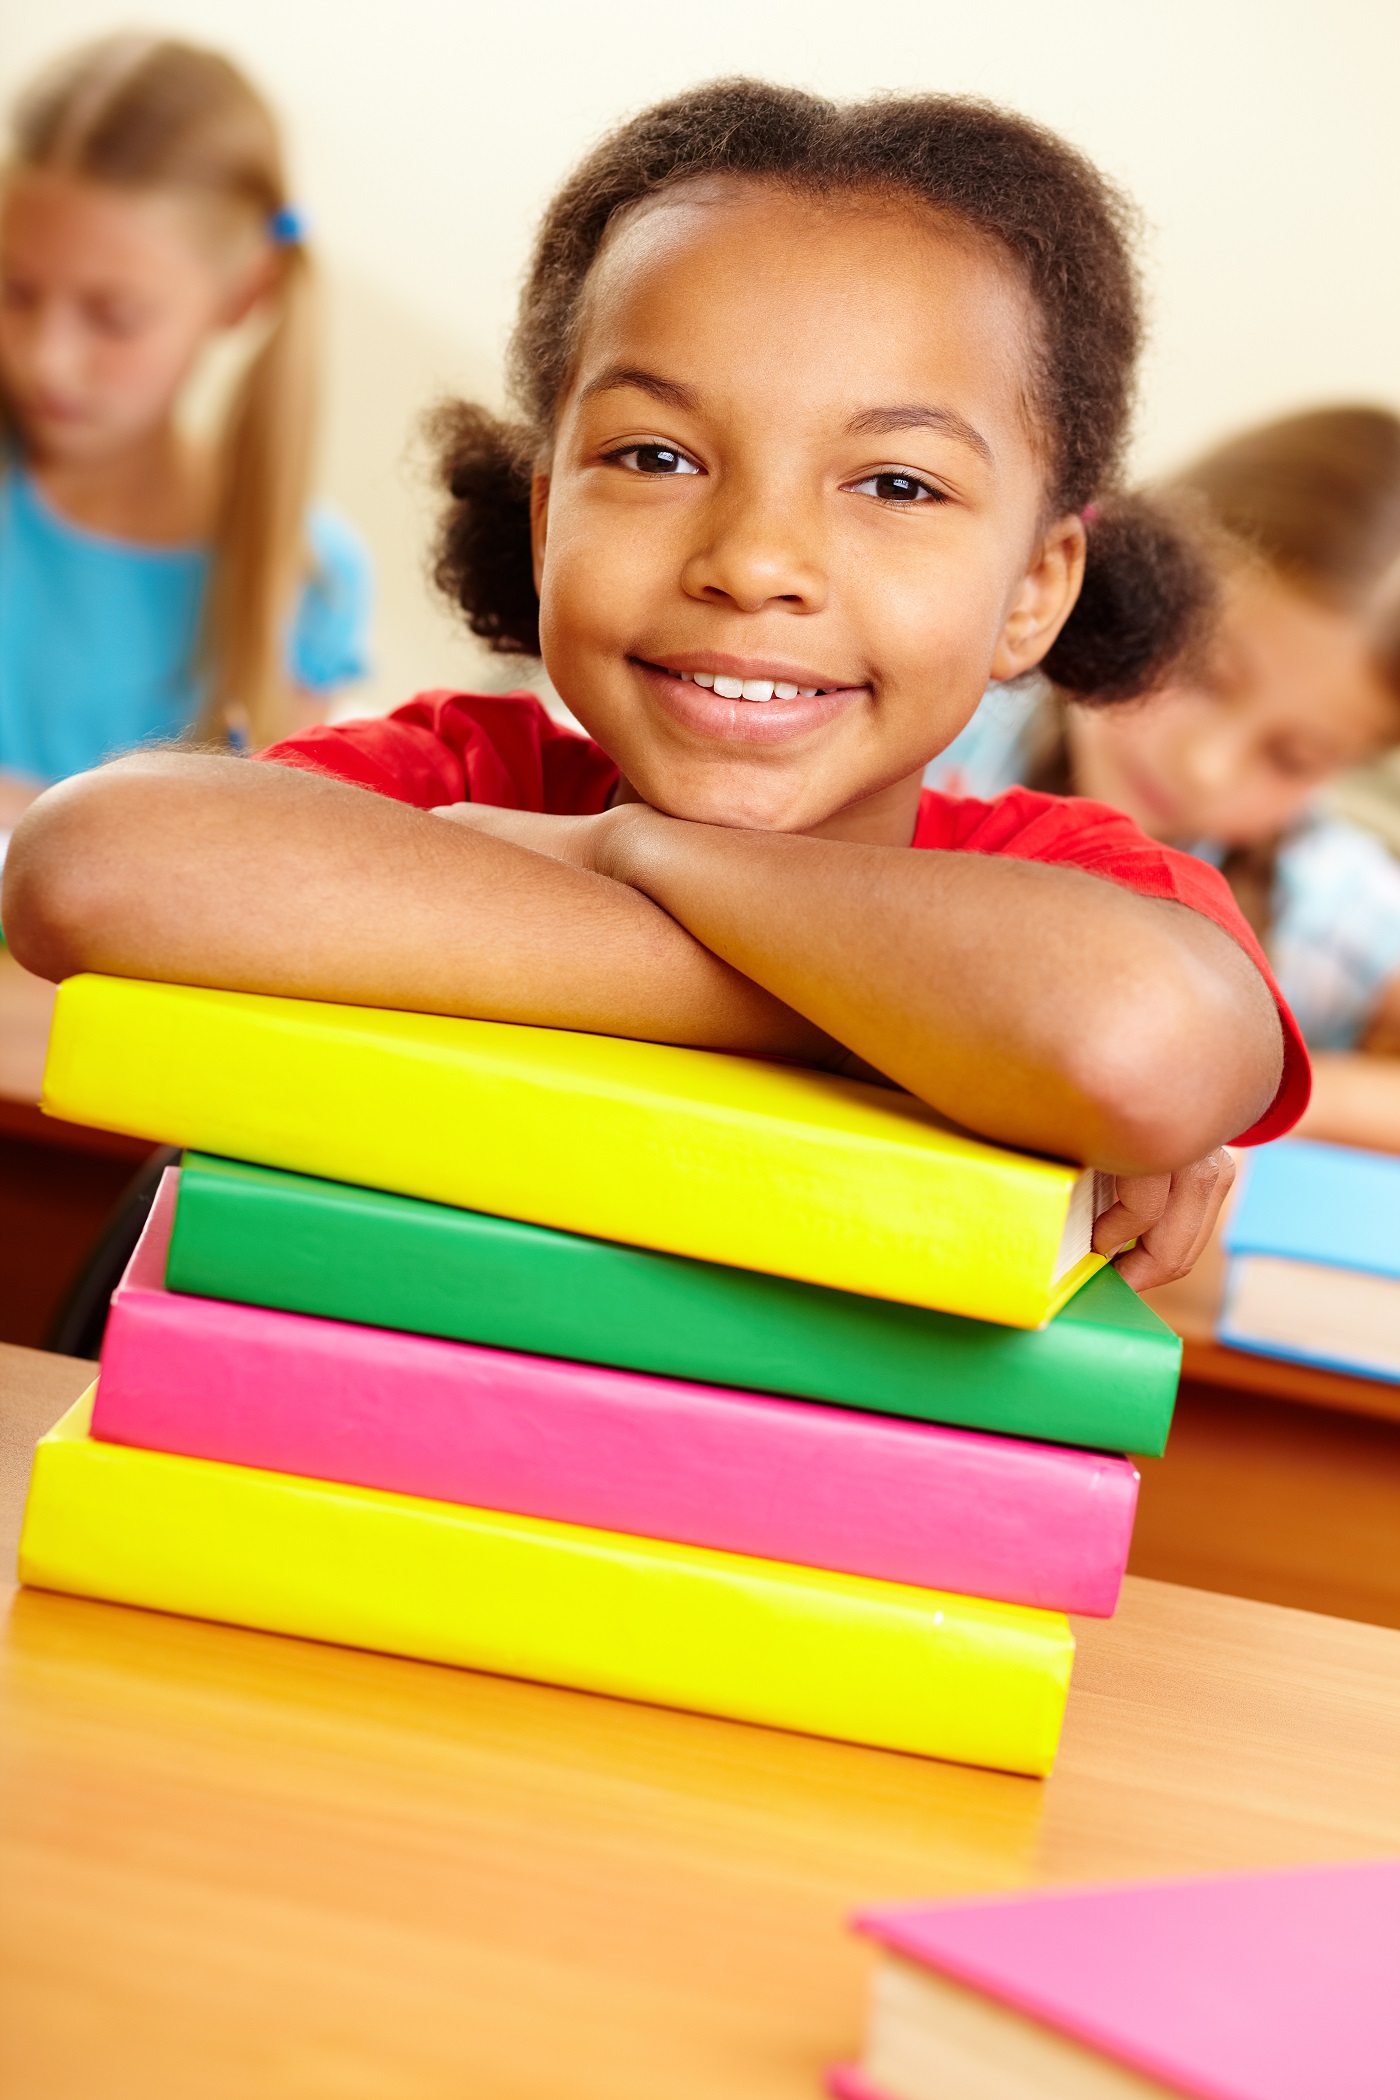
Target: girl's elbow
<point x="1166" y="1084"/>
<point x="59" y="889"/>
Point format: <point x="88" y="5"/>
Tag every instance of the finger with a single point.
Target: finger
<point x="1170" y="1248"/>
<point x="1142" y="1198"/>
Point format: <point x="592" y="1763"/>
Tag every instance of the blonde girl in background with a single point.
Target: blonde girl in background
<point x="1302" y="683"/>
<point x="152" y="586"/>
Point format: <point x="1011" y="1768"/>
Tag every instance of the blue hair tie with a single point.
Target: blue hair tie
<point x="287" y="227"/>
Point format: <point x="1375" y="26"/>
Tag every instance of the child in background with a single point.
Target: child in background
<point x="1301" y="683"/>
<point x="813" y="402"/>
<point x="150" y="587"/>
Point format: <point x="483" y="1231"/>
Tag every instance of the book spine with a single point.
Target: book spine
<point x="830" y="1655"/>
<point x="801" y="1175"/>
<point x="783" y="1480"/>
<point x="282" y="1240"/>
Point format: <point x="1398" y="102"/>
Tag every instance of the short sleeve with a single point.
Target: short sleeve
<point x="1072" y="832"/>
<point x="328" y="644"/>
<point x="499" y="748"/>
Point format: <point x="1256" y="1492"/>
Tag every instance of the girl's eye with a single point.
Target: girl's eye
<point x="116" y="318"/>
<point x="654" y="459"/>
<point x="895" y="487"/>
<point x="1295" y="764"/>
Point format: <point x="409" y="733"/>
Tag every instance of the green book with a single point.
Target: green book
<point x="1102" y="1373"/>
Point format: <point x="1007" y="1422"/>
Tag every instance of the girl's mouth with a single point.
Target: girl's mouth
<point x="740" y="701"/>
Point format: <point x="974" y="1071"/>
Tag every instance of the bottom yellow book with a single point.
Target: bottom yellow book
<point x="717" y="1633"/>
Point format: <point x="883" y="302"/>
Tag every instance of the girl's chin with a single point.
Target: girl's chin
<point x="734" y="795"/>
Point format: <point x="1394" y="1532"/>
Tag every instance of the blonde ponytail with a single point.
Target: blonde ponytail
<point x="260" y="556"/>
<point x="142" y="112"/>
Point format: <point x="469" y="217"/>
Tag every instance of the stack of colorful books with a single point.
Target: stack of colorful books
<point x="695" y="1379"/>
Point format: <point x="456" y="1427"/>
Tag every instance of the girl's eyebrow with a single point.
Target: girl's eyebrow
<point x="871" y="422"/>
<point x="670" y="391"/>
<point x="916" y="415"/>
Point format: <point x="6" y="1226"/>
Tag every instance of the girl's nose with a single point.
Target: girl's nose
<point x="755" y="551"/>
<point x="1212" y="759"/>
<point x="51" y="348"/>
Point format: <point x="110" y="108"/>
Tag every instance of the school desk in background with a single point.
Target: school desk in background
<point x="1275" y="1986"/>
<point x="1314" y="1258"/>
<point x="622" y="1366"/>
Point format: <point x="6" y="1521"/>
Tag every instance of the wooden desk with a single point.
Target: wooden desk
<point x="235" y="1864"/>
<point x="1279" y="1482"/>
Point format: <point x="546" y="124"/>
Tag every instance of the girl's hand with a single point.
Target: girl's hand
<point x="1171" y="1216"/>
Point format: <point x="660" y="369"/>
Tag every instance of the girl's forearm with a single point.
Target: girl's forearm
<point x="1355" y="1101"/>
<point x="1037" y="1004"/>
<point x="216" y="871"/>
<point x="17" y="792"/>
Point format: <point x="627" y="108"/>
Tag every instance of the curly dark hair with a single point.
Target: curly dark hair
<point x="1147" y="593"/>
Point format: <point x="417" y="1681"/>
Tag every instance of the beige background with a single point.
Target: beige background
<point x="1259" y="136"/>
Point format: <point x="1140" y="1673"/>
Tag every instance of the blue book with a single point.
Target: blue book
<point x="1314" y="1258"/>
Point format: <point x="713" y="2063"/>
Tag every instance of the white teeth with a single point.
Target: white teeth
<point x="747" y="688"/>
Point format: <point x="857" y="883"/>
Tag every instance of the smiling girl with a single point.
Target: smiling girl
<point x="813" y="401"/>
<point x="151" y="584"/>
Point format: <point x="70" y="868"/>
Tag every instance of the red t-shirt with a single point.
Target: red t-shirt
<point x="504" y="749"/>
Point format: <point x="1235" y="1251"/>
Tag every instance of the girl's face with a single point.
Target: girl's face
<point x="107" y="297"/>
<point x="793" y="518"/>
<point x="1291" y="696"/>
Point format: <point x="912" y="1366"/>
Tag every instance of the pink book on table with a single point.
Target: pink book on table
<point x="1273" y="1986"/>
<point x="789" y="1480"/>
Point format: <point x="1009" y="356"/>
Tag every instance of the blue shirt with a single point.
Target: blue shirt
<point x="1334" y="941"/>
<point x="98" y="636"/>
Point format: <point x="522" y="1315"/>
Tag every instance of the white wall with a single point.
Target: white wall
<point x="1259" y="136"/>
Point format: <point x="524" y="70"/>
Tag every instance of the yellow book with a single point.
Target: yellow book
<point x="731" y="1159"/>
<point x="718" y="1633"/>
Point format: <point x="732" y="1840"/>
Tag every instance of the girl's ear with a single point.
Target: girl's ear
<point x="539" y="522"/>
<point x="1042" y="601"/>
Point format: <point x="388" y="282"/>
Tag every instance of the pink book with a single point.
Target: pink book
<point x="1274" y="1986"/>
<point x="789" y="1480"/>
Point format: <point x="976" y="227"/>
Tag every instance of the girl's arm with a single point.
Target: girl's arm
<point x="1356" y="1097"/>
<point x="1355" y="1101"/>
<point x="1036" y="1004"/>
<point x="212" y="870"/>
<point x="17" y="791"/>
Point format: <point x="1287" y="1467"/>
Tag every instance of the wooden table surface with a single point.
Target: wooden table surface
<point x="235" y="1864"/>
